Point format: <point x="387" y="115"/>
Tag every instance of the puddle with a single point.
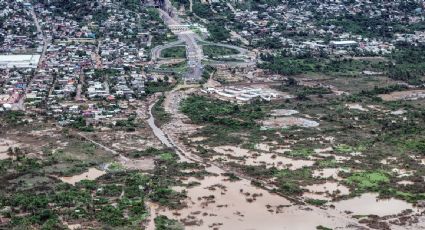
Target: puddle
<point x="137" y="164"/>
<point x="398" y="112"/>
<point x="285" y="122"/>
<point x="5" y="144"/>
<point x="405" y="182"/>
<point x="282" y="150"/>
<point x="368" y="204"/>
<point x="327" y="173"/>
<point x="402" y="172"/>
<point x="388" y="160"/>
<point x="271" y="160"/>
<point x="233" y="151"/>
<point x="197" y="139"/>
<point x="4" y="156"/>
<point x="263" y="147"/>
<point x="316" y="196"/>
<point x="324" y="150"/>
<point x="356" y="107"/>
<point x="74" y="226"/>
<point x="91" y="174"/>
<point x="258" y="159"/>
<point x="283" y="112"/>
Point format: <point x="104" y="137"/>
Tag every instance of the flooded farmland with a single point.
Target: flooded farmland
<point x="369" y="204"/>
<point x="220" y="203"/>
<point x="254" y="158"/>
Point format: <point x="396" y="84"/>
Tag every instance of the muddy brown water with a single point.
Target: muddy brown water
<point x="223" y="204"/>
<point x="256" y="158"/>
<point x="369" y="204"/>
<point x="217" y="202"/>
<point x="328" y="187"/>
<point x="91" y="174"/>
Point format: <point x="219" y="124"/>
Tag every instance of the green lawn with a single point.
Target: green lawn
<point x="174" y="52"/>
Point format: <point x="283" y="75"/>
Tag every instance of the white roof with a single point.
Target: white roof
<point x="19" y="61"/>
<point x="343" y="42"/>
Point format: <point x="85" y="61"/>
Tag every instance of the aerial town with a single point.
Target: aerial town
<point x="212" y="114"/>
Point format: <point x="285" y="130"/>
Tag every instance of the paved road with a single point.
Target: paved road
<point x="194" y="51"/>
<point x="39" y="31"/>
<point x="20" y="105"/>
<point x="194" y="42"/>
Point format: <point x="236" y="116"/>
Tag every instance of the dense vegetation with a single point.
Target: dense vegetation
<point x="217" y="32"/>
<point x="204" y="110"/>
<point x="406" y="64"/>
<point x="409" y="65"/>
<point x="158" y="111"/>
<point x="211" y="50"/>
<point x="293" y="65"/>
<point x="116" y="200"/>
<point x="174" y="52"/>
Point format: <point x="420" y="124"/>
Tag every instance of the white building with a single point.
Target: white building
<point x="19" y="61"/>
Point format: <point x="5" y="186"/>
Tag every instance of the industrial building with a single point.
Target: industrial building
<point x="19" y="61"/>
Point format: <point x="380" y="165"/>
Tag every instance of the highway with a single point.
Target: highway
<point x="193" y="43"/>
<point x="194" y="51"/>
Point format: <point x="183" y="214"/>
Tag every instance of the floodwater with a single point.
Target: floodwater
<point x="139" y="164"/>
<point x="285" y="122"/>
<point x="368" y="204"/>
<point x="356" y="106"/>
<point x="258" y="159"/>
<point x="232" y="151"/>
<point x="4" y="156"/>
<point x="283" y="112"/>
<point x="74" y="226"/>
<point x="91" y="174"/>
<point x="162" y="137"/>
<point x="324" y="150"/>
<point x="327" y="173"/>
<point x="338" y="158"/>
<point x="157" y="131"/>
<point x="403" y="95"/>
<point x="398" y="112"/>
<point x="328" y="187"/>
<point x="5" y="144"/>
<point x="197" y="139"/>
<point x="271" y="160"/>
<point x="263" y="147"/>
<point x="405" y="182"/>
<point x="220" y="203"/>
